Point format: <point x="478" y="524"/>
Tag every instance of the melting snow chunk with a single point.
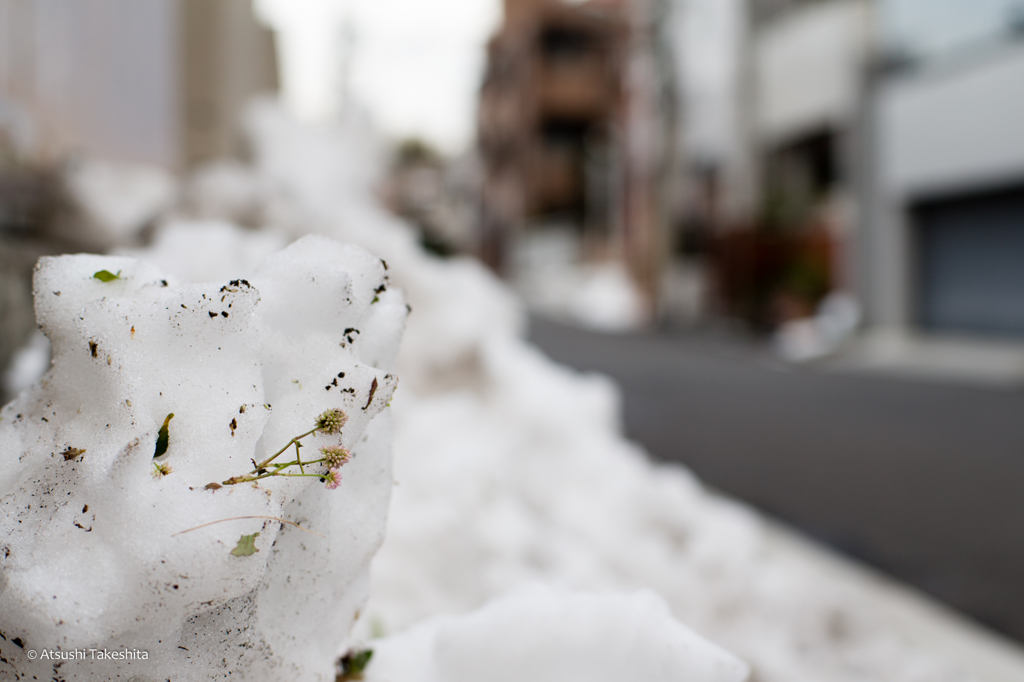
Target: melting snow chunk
<point x="124" y="545"/>
<point x="544" y="635"/>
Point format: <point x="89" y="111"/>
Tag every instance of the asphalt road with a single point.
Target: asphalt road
<point x="922" y="480"/>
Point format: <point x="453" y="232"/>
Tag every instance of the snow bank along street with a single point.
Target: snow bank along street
<point x="526" y="539"/>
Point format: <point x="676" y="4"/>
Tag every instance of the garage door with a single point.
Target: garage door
<point x="971" y="264"/>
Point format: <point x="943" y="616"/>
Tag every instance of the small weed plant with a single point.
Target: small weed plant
<point x="327" y="467"/>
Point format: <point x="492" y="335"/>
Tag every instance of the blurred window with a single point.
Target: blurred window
<point x="565" y="45"/>
<point x="564" y="134"/>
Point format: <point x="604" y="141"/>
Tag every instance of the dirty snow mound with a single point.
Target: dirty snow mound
<point x="98" y="479"/>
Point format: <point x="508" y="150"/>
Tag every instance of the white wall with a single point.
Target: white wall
<point x="955" y="126"/>
<point x="710" y="47"/>
<point x="807" y="68"/>
<point x="93" y="76"/>
<point x="707" y="35"/>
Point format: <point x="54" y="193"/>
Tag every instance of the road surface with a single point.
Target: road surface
<point x="921" y="479"/>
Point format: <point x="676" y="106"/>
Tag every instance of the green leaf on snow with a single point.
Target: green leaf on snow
<point x="246" y="545"/>
<point x="107" y="276"/>
<point x="163" y="437"/>
<point x="353" y="664"/>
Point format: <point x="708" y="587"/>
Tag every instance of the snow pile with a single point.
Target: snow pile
<point x="543" y="635"/>
<point x="98" y="479"/>
<point x="28" y="364"/>
<point x="323" y="179"/>
<point x="227" y="190"/>
<point x="600" y="296"/>
<point x="810" y="338"/>
<point x="116" y="200"/>
<point x="527" y="478"/>
<point x="208" y="250"/>
<point x="511" y="470"/>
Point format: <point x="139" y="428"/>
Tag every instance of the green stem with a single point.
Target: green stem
<point x="287" y="445"/>
<point x="277" y="472"/>
<point x="285" y="465"/>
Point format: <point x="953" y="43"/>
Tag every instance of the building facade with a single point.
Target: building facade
<point x="943" y="239"/>
<point x="771" y="97"/>
<point x="890" y="126"/>
<point x="153" y="81"/>
<point x="570" y="129"/>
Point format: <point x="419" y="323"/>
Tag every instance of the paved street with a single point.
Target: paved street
<point x="922" y="479"/>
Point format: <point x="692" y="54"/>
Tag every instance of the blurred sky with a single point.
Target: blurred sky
<point x="415" y="65"/>
<point x="919" y="27"/>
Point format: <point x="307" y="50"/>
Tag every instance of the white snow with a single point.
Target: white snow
<point x="28" y="364"/>
<point x="509" y="471"/>
<point x="93" y="554"/>
<point x="227" y="190"/>
<point x="835" y="320"/>
<point x="554" y="280"/>
<point x="546" y="635"/>
<point x="527" y="479"/>
<point x="207" y="250"/>
<point x="117" y="199"/>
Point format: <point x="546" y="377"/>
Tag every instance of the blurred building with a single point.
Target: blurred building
<point x="155" y="81"/>
<point x="439" y="196"/>
<point x="943" y="233"/>
<point x="771" y="99"/>
<point x="873" y="147"/>
<point x="571" y="129"/>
